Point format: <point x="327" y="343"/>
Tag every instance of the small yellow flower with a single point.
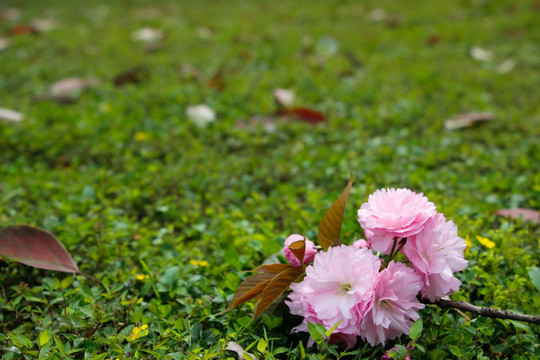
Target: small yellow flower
<point x="141" y="136"/>
<point x="486" y="242"/>
<point x="138" y="332"/>
<point x="469" y="244"/>
<point x="201" y="263"/>
<point x="141" y="277"/>
<point x="139" y="301"/>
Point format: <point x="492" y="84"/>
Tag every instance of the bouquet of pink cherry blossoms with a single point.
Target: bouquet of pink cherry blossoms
<point x="350" y="288"/>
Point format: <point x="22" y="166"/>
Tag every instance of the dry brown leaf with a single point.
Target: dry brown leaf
<point x="481" y="54"/>
<point x="132" y="76"/>
<point x="10" y="115"/>
<point x="467" y="120"/>
<point x="71" y="87"/>
<point x="147" y="34"/>
<point x="520" y="213"/>
<point x="4" y="44"/>
<point x="10" y="14"/>
<point x="235" y="347"/>
<point x="283" y="97"/>
<point x="23" y="29"/>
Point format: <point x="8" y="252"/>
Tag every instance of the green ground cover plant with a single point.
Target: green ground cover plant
<point x="167" y="215"/>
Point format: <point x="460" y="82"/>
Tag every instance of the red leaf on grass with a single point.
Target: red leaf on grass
<point x="35" y="247"/>
<point x="23" y="29"/>
<point x="518" y="213"/>
<point x="303" y="114"/>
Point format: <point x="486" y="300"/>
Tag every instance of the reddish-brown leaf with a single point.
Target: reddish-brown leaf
<point x="278" y="286"/>
<point x="298" y="248"/>
<point x="272" y="268"/>
<point x="330" y="226"/>
<point x="35" y="247"/>
<point x="135" y="75"/>
<point x="23" y="29"/>
<point x="251" y="287"/>
<point x="255" y="284"/>
<point x="303" y="114"/>
<point x="217" y="81"/>
<point x="520" y="213"/>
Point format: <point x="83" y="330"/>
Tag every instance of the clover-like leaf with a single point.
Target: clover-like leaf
<point x="330" y="225"/>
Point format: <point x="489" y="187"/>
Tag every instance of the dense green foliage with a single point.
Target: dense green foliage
<point x="167" y="215"/>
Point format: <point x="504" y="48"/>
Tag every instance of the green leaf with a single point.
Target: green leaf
<point x="44" y="337"/>
<point x="330" y="226"/>
<point x="416" y="329"/>
<point x="100" y="357"/>
<point x="534" y="274"/>
<point x="262" y="345"/>
<point x="455" y="350"/>
<point x="331" y="330"/>
<point x="317" y="331"/>
<point x="437" y="354"/>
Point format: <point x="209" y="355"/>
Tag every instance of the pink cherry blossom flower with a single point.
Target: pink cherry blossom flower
<point x="309" y="254"/>
<point x="361" y="244"/>
<point x="436" y="253"/>
<point x="391" y="213"/>
<point x="395" y="306"/>
<point x="338" y="288"/>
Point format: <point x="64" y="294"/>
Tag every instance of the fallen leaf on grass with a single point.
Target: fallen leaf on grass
<point x="189" y="72"/>
<point x="467" y="120"/>
<point x="71" y="87"/>
<point x="235" y="347"/>
<point x="23" y="29"/>
<point x="217" y="81"/>
<point x="481" y="54"/>
<point x="201" y="114"/>
<point x="303" y="114"/>
<point x="10" y="14"/>
<point x="10" y="115"/>
<point x="377" y="15"/>
<point x="35" y="247"/>
<point x="43" y="25"/>
<point x="147" y="34"/>
<point x="520" y="213"/>
<point x="131" y="76"/>
<point x="506" y="66"/>
<point x="433" y="39"/>
<point x="283" y="97"/>
<point x="4" y="44"/>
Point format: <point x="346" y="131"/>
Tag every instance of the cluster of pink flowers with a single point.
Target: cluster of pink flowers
<point x="352" y="287"/>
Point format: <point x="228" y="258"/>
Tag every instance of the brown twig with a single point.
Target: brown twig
<point x="483" y="311"/>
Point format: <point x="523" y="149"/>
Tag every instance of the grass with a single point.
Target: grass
<point x="140" y="212"/>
